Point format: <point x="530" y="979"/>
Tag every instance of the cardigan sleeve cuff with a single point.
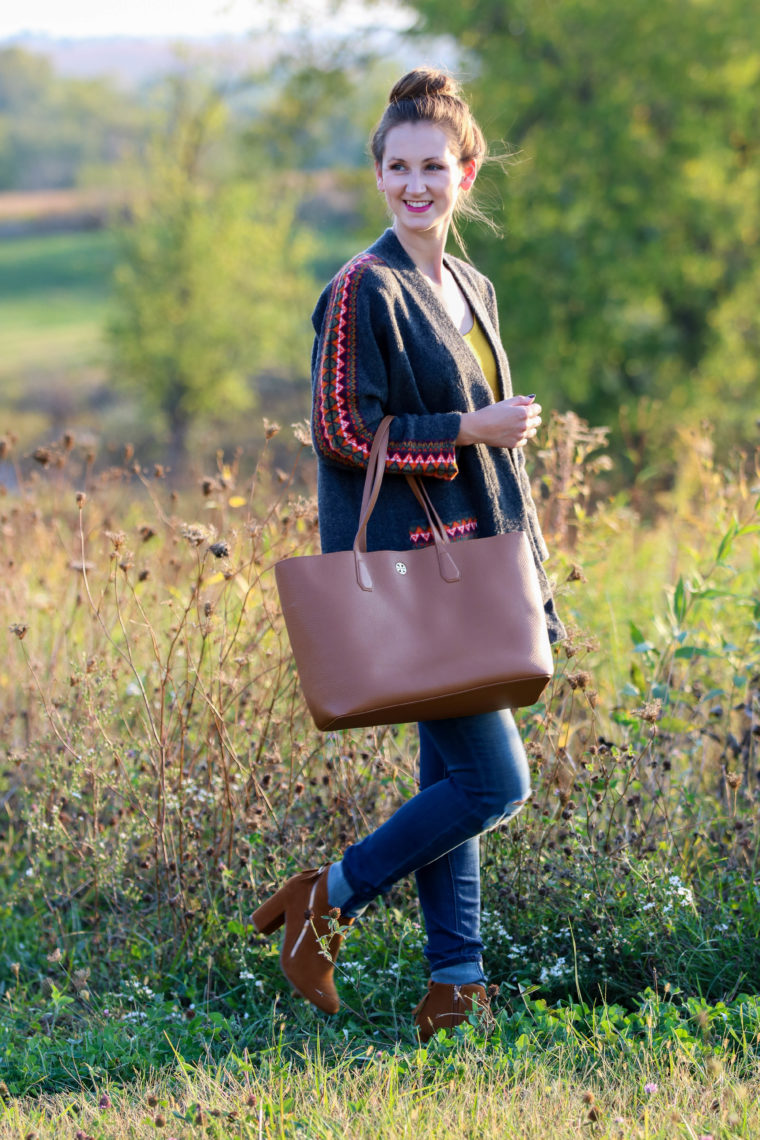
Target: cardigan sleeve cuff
<point x="424" y="445"/>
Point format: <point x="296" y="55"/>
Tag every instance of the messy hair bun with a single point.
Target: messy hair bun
<point x="427" y="95"/>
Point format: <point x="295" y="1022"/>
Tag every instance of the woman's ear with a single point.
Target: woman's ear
<point x="469" y="170"/>
<point x="379" y="176"/>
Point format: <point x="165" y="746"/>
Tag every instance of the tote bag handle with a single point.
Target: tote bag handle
<point x="373" y="480"/>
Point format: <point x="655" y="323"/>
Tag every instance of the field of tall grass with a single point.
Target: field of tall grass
<point x="160" y="773"/>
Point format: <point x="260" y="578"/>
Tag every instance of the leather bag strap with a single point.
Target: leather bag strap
<point x="373" y="479"/>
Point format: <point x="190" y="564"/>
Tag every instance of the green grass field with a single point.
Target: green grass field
<point x="159" y="774"/>
<point x="54" y="296"/>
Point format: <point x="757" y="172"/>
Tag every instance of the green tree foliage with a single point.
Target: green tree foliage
<point x="55" y="131"/>
<point x="211" y="288"/>
<point x="627" y="277"/>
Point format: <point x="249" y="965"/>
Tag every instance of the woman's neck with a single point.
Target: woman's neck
<point x="426" y="251"/>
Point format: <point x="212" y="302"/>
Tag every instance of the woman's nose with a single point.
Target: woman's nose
<point x="415" y="182"/>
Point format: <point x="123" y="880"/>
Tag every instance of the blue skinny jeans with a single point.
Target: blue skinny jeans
<point x="473" y="776"/>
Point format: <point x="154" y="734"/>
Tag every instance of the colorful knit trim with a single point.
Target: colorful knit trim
<point x="462" y="528"/>
<point x="339" y="428"/>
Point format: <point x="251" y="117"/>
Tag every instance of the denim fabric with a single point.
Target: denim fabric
<point x="473" y="776"/>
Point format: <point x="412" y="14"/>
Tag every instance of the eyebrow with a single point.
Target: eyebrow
<point x="430" y="158"/>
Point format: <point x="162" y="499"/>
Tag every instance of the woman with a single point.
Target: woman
<point x="406" y="330"/>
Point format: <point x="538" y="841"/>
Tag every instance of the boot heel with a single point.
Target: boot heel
<point x="270" y="915"/>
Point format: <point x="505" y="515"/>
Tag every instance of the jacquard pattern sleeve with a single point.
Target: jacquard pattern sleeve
<point x="351" y="363"/>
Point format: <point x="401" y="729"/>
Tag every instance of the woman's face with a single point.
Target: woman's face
<point x="421" y="178"/>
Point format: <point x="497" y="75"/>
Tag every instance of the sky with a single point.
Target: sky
<point x="77" y="18"/>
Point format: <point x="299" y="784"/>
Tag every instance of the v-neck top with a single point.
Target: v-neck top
<point x="483" y="353"/>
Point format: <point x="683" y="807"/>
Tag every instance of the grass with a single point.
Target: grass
<point x="53" y="301"/>
<point x="160" y="773"/>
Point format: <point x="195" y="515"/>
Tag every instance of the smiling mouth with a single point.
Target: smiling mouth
<point x="418" y="207"/>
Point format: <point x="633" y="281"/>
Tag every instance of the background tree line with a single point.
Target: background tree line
<point x="627" y="276"/>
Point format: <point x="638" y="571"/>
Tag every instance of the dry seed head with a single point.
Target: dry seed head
<point x="270" y="428"/>
<point x="733" y="779"/>
<point x="43" y="456"/>
<point x="81" y="499"/>
<point x="576" y="574"/>
<point x="650" y="711"/>
<point x="580" y="680"/>
<point x="302" y="433"/>
<point x="19" y="629"/>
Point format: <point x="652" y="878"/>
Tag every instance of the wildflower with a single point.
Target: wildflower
<point x="302" y="433"/>
<point x="650" y="1088"/>
<point x="650" y="711"/>
<point x="580" y="680"/>
<point x="42" y="455"/>
<point x="195" y="534"/>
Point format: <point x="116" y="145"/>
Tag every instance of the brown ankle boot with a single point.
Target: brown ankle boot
<point x="301" y="903"/>
<point x="445" y="1006"/>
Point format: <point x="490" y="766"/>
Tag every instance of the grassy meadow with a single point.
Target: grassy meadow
<point x="160" y="774"/>
<point x="54" y="298"/>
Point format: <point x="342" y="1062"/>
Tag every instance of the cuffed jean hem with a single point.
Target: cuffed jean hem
<point x="461" y="974"/>
<point x="340" y="892"/>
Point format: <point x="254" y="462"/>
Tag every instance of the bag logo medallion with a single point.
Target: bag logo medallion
<point x="401" y="567"/>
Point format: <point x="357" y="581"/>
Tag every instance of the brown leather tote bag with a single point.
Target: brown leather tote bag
<point x="389" y="636"/>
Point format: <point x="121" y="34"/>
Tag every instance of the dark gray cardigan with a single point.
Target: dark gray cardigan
<point x="385" y="345"/>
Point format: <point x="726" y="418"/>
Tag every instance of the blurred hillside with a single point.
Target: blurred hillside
<point x="133" y="61"/>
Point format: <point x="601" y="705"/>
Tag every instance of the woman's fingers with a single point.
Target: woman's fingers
<point x="509" y="423"/>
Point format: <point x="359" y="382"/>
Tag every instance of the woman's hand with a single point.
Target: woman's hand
<point x="510" y="423"/>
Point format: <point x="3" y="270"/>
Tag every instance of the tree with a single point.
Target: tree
<point x="632" y="208"/>
<point x="211" y="287"/>
<point x="56" y="131"/>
